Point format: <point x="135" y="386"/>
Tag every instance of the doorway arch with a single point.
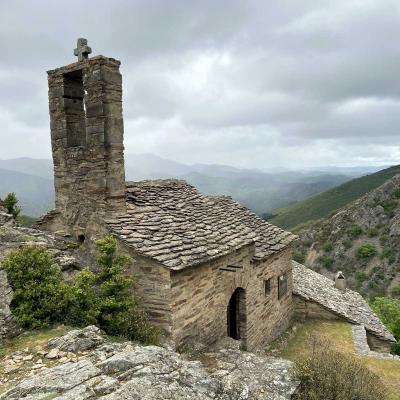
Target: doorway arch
<point x="236" y="315"/>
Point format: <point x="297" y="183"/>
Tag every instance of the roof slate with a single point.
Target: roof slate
<point x="348" y="304"/>
<point x="171" y="222"/>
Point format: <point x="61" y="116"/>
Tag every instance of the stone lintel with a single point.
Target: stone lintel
<point x="101" y="60"/>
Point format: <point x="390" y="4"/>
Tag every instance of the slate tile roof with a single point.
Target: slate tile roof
<point x="171" y="222"/>
<point x="349" y="305"/>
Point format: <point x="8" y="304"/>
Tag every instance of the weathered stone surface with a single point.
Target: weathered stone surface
<point x="349" y="305"/>
<point x="85" y="102"/>
<point x="78" y="340"/>
<point x="12" y="237"/>
<point x="5" y="218"/>
<point x="126" y="371"/>
<point x="8" y="326"/>
<point x="54" y="380"/>
<point x="171" y="222"/>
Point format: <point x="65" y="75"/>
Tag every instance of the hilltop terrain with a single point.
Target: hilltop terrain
<point x="361" y="239"/>
<point x="323" y="204"/>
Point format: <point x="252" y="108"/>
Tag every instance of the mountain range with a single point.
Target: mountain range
<point x="32" y="181"/>
<point x="326" y="203"/>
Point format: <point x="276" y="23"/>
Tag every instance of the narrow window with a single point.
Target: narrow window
<point x="267" y="287"/>
<point x="73" y="97"/>
<point x="282" y="285"/>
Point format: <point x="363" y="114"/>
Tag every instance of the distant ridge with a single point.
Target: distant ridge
<point x="258" y="190"/>
<point x="323" y="204"/>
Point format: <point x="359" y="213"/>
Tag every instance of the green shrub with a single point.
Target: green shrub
<point x="39" y="294"/>
<point x="366" y="251"/>
<point x="327" y="374"/>
<point x="82" y="300"/>
<point x="389" y="254"/>
<point x="326" y="261"/>
<point x="327" y="247"/>
<point x="389" y="206"/>
<point x="395" y="291"/>
<point x="354" y="231"/>
<point x="388" y="310"/>
<point x="347" y="244"/>
<point x="396" y="193"/>
<point x="10" y="204"/>
<point x="120" y="313"/>
<point x="383" y="239"/>
<point x="361" y="276"/>
<point x="299" y="256"/>
<point x="372" y="232"/>
<point x="105" y="299"/>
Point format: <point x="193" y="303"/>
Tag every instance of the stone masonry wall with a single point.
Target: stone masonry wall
<point x="152" y="285"/>
<point x="378" y="345"/>
<point x="304" y="309"/>
<point x="85" y="102"/>
<point x="200" y="296"/>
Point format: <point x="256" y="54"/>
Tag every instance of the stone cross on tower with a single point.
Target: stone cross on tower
<point x="82" y="50"/>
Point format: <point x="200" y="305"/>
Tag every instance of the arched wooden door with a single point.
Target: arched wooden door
<point x="236" y="315"/>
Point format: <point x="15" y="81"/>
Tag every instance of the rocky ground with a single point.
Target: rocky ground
<point x="83" y="364"/>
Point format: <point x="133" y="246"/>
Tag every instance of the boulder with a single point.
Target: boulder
<point x="128" y="371"/>
<point x="78" y="340"/>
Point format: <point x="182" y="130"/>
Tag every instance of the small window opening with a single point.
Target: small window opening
<point x="267" y="287"/>
<point x="75" y="110"/>
<point x="81" y="239"/>
<point x="282" y="285"/>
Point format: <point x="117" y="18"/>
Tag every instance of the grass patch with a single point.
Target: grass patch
<point x="296" y="344"/>
<point x="29" y="343"/>
<point x="31" y="340"/>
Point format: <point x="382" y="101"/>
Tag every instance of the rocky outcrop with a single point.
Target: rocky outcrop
<point x="78" y="340"/>
<point x="8" y="326"/>
<point x="332" y="244"/>
<point x="128" y="371"/>
<point x="5" y="218"/>
<point x="12" y="237"/>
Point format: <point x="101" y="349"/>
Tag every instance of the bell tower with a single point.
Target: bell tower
<point x="85" y="103"/>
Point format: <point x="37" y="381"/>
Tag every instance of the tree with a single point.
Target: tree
<point x="36" y="281"/>
<point x="388" y="310"/>
<point x="105" y="298"/>
<point x="120" y="312"/>
<point x="10" y="204"/>
<point x="82" y="300"/>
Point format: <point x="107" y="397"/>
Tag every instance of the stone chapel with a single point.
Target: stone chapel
<point x="205" y="266"/>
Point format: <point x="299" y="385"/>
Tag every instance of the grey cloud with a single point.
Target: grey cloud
<point x="248" y="83"/>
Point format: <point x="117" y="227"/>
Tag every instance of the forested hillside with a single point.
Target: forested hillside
<point x="323" y="204"/>
<point x="362" y="240"/>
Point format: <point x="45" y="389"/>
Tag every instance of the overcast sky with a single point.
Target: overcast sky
<point x="263" y="84"/>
